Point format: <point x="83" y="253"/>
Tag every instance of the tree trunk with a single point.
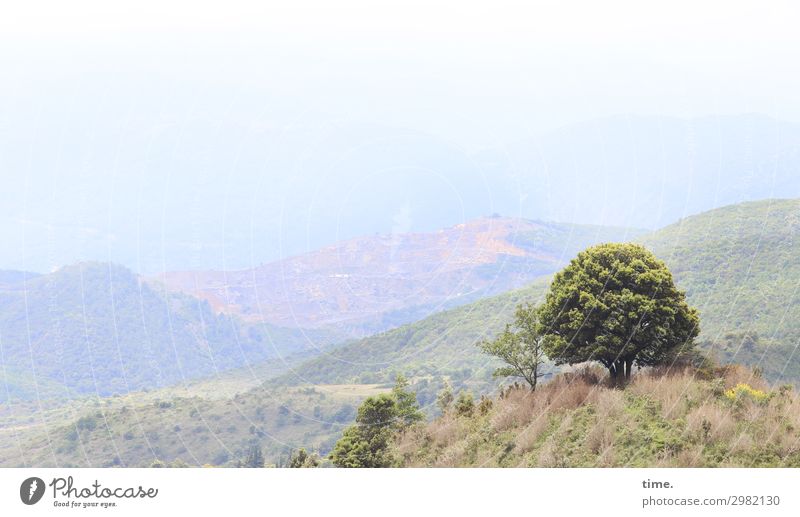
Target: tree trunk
<point x="619" y="371"/>
<point x="615" y="371"/>
<point x="628" y="368"/>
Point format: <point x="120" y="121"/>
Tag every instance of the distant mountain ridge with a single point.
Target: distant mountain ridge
<point x="369" y="284"/>
<point x="96" y="328"/>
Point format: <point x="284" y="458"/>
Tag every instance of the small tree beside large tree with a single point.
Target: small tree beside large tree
<point x="520" y="346"/>
<point x="616" y="304"/>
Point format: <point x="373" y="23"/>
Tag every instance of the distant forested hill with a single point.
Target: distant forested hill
<point x="10" y="277"/>
<point x="96" y="328"/>
<point x="740" y="265"/>
<point x="439" y="347"/>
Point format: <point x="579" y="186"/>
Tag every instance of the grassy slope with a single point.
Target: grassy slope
<point x="674" y="420"/>
<point x="740" y="265"/>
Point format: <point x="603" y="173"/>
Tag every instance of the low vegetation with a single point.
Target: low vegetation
<point x="677" y="417"/>
<point x="262" y="426"/>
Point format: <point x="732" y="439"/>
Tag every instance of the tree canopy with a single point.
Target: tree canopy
<point x="367" y="443"/>
<point x="254" y="458"/>
<point x="616" y="304"/>
<point x="408" y="411"/>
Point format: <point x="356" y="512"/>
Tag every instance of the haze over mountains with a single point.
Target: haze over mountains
<point x="744" y="284"/>
<point x="228" y="195"/>
<point x="223" y="227"/>
<point x="369" y="284"/>
<point x="651" y="171"/>
<point x="96" y="328"/>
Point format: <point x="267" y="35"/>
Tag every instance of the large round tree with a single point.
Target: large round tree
<point x="616" y="304"/>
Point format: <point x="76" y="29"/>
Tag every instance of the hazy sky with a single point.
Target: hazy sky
<point x="119" y="120"/>
<point x="473" y="72"/>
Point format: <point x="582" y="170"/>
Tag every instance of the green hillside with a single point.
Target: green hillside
<point x="95" y="328"/>
<point x="740" y="266"/>
<point x="428" y="351"/>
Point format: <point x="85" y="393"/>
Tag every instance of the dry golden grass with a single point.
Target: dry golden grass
<point x="531" y="433"/>
<point x="548" y="455"/>
<point x="569" y="395"/>
<point x="710" y="422"/>
<point x="688" y="457"/>
<point x="735" y="374"/>
<point x="517" y="408"/>
<point x="601" y="436"/>
<point x="742" y="443"/>
<point x="608" y="402"/>
<point x="663" y="417"/>
<point x="453" y="456"/>
<point x="673" y="389"/>
<point x="444" y="431"/>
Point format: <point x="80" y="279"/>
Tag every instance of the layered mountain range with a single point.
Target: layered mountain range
<point x="99" y="328"/>
<point x="738" y="265"/>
